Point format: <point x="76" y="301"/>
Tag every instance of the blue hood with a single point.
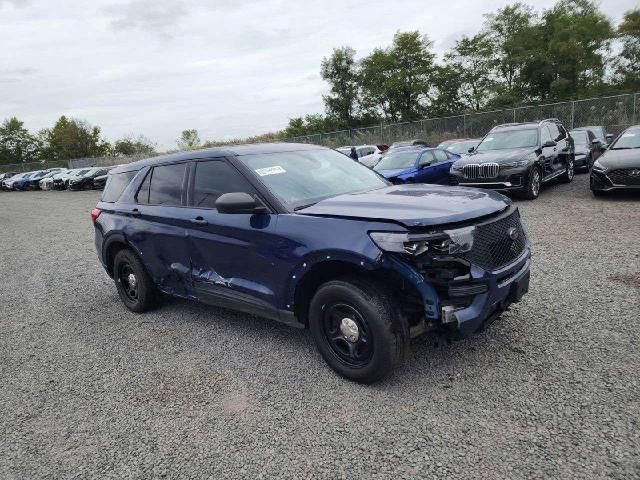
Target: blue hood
<point x="418" y="205"/>
<point x="395" y="172"/>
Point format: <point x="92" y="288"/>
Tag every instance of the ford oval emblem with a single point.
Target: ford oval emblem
<point x="513" y="233"/>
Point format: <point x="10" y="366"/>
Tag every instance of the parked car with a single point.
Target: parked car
<point x="62" y="182"/>
<point x="6" y="176"/>
<point x="519" y="158"/>
<point x="46" y="183"/>
<point x="409" y="143"/>
<point x="84" y="181"/>
<point x="447" y="143"/>
<point x="23" y="181"/>
<point x="587" y="148"/>
<point x="100" y="181"/>
<point x="367" y="154"/>
<point x="34" y="180"/>
<point x="463" y="147"/>
<point x="618" y="168"/>
<point x="417" y="165"/>
<point x="7" y="181"/>
<point x="294" y="233"/>
<point x="601" y="134"/>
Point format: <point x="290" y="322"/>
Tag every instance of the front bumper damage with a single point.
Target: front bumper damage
<point x="470" y="305"/>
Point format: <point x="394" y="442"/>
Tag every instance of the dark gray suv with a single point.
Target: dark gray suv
<point x="519" y="158"/>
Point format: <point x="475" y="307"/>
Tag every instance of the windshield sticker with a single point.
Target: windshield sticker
<point x="275" y="170"/>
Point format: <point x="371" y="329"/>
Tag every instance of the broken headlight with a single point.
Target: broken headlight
<point x="447" y="242"/>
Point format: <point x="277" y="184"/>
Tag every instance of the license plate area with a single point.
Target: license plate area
<point x="519" y="288"/>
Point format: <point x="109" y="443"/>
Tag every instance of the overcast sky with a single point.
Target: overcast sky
<point x="228" y="68"/>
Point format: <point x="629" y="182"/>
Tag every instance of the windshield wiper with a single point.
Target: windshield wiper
<point x="624" y="148"/>
<point x="302" y="207"/>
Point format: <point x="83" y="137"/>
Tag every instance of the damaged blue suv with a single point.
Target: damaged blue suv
<point x="303" y="235"/>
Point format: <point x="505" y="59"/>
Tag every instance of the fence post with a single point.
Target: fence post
<point x="514" y="115"/>
<point x="635" y="107"/>
<point x="464" y="125"/>
<point x="573" y="110"/>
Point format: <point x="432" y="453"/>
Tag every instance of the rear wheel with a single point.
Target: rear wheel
<point x="358" y="329"/>
<point x="135" y="287"/>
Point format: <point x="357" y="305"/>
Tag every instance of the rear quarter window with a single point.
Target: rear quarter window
<point x="116" y="184"/>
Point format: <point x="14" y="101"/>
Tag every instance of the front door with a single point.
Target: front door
<point x="231" y="254"/>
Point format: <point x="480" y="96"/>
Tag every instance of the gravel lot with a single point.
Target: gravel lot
<point x="90" y="390"/>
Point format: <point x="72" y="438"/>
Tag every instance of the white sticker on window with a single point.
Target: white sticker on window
<point x="275" y="170"/>
<point x="488" y="139"/>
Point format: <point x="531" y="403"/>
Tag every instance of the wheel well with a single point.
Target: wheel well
<point x="334" y="270"/>
<point x="111" y="252"/>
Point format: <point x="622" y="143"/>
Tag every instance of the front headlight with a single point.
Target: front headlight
<point x="598" y="166"/>
<point x="447" y="242"/>
<point x="516" y="164"/>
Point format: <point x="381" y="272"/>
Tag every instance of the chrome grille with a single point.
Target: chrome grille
<point x="625" y="176"/>
<point x="481" y="170"/>
<point x="492" y="245"/>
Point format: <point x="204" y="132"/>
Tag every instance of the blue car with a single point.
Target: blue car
<point x="417" y="165"/>
<point x="296" y="234"/>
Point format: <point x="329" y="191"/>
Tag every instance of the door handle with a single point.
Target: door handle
<point x="199" y="221"/>
<point x="135" y="211"/>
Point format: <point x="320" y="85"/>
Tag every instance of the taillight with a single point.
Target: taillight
<point x="95" y="213"/>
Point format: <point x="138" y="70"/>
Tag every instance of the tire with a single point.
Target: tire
<point x="358" y="329"/>
<point x="567" y="176"/>
<point x="138" y="293"/>
<point x="534" y="183"/>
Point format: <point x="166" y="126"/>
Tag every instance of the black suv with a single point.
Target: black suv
<point x="519" y="157"/>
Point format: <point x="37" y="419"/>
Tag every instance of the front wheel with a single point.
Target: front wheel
<point x="358" y="329"/>
<point x="567" y="176"/>
<point x="533" y="184"/>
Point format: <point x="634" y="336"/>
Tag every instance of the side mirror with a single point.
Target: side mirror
<point x="239" y="202"/>
<point x="549" y="143"/>
<point x="471" y="150"/>
<point x="423" y="165"/>
<point x="596" y="141"/>
<point x="609" y="137"/>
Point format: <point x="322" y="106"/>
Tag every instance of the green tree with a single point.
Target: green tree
<point x="375" y="85"/>
<point x="17" y="145"/>
<point x="71" y="138"/>
<point x="472" y="58"/>
<point x="627" y="65"/>
<point x="340" y="71"/>
<point x="308" y="125"/>
<point x="189" y="140"/>
<point x="576" y="34"/>
<point x="131" y="145"/>
<point x="446" y="100"/>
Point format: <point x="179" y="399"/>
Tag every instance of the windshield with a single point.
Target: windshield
<point x="462" y="147"/>
<point x="629" y="139"/>
<point x="305" y="177"/>
<point x="597" y="131"/>
<point x="580" y="137"/>
<point x="509" y="139"/>
<point x="397" y="160"/>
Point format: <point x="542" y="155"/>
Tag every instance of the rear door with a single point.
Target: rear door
<point x="159" y="225"/>
<point x="231" y="254"/>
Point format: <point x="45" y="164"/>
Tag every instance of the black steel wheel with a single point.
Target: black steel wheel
<point x="135" y="287"/>
<point x="358" y="328"/>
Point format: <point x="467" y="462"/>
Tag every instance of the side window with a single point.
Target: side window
<point x="116" y="185"/>
<point x="214" y="178"/>
<point x="426" y="159"/>
<point x="143" y="192"/>
<point x="165" y="185"/>
<point x="555" y="131"/>
<point x="440" y="155"/>
<point x="545" y="135"/>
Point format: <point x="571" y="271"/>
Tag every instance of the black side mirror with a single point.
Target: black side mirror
<point x="471" y="150"/>
<point x="239" y="202"/>
<point x="549" y="143"/>
<point x="596" y="141"/>
<point x="609" y="137"/>
<point x="424" y="165"/>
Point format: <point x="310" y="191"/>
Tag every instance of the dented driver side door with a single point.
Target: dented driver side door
<point x="231" y="254"/>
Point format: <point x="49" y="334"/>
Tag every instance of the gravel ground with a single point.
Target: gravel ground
<point x="90" y="390"/>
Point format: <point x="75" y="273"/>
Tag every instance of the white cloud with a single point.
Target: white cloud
<point x="228" y="68"/>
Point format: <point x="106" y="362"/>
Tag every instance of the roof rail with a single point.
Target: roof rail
<point x="502" y="125"/>
<point x="550" y="120"/>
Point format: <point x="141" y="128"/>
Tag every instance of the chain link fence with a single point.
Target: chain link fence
<point x="615" y="113"/>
